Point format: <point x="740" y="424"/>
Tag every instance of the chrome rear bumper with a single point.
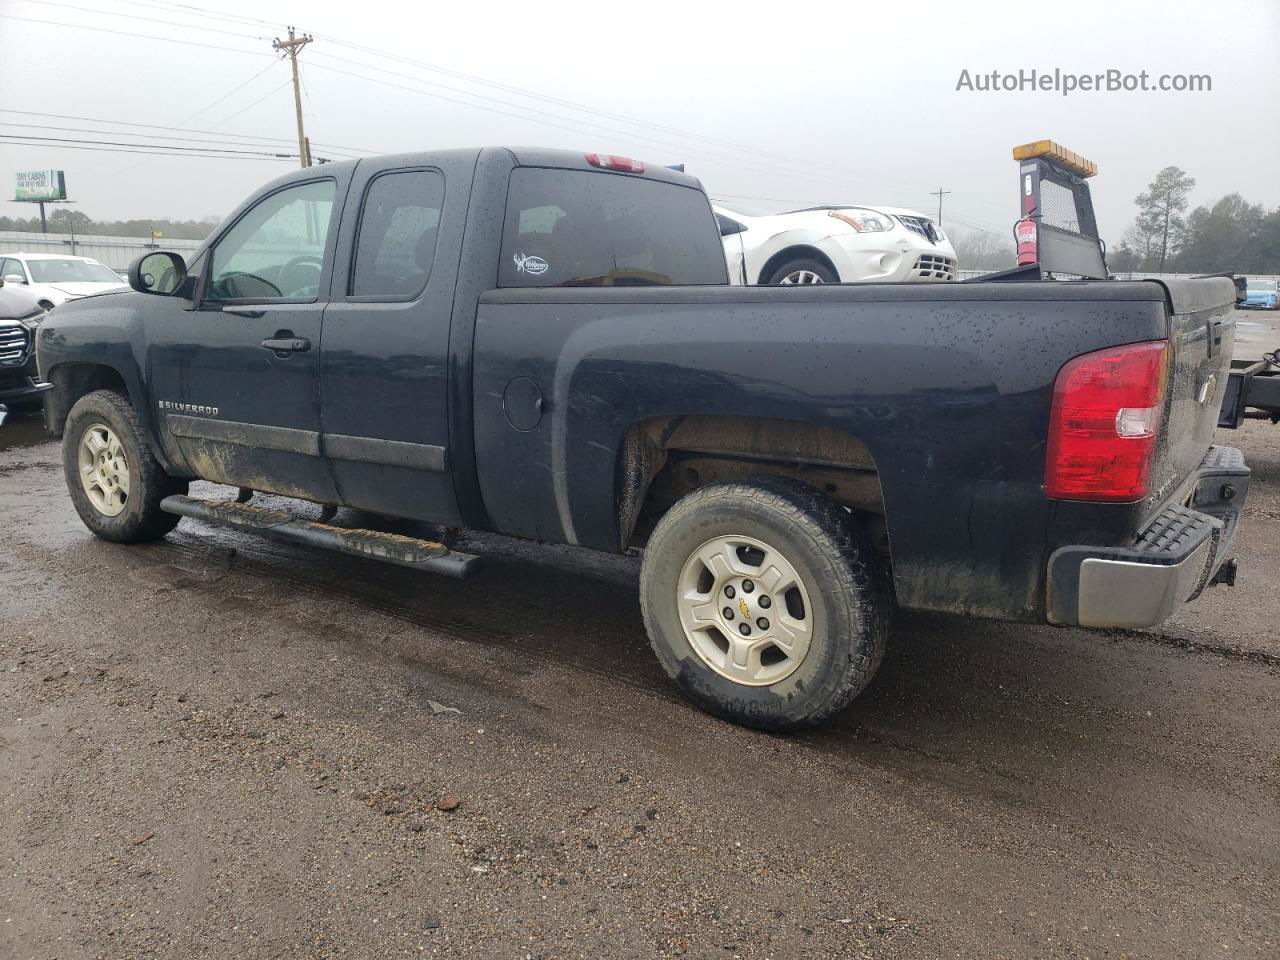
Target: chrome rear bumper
<point x="1171" y="562"/>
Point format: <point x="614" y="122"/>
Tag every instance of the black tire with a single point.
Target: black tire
<point x="812" y="266"/>
<point x="831" y="553"/>
<point x="141" y="519"/>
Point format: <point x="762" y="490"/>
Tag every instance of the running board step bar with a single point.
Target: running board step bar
<point x="392" y="547"/>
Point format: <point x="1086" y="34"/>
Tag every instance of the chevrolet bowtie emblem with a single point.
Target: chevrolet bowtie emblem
<point x="1208" y="388"/>
<point x="742" y="605"/>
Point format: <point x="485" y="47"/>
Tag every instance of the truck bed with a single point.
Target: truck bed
<point x="948" y="387"/>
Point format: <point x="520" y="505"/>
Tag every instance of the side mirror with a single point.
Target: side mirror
<point x="158" y="273"/>
<point x="14" y="278"/>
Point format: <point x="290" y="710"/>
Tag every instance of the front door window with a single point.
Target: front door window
<point x="276" y="250"/>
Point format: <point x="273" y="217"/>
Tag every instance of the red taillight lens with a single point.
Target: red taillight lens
<point x="608" y="161"/>
<point x="1103" y="423"/>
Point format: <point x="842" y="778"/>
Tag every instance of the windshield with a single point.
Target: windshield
<point x="1263" y="286"/>
<point x="70" y="271"/>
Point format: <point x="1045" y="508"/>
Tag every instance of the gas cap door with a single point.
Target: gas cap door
<point x="522" y="403"/>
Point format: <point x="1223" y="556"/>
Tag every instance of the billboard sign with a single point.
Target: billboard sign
<point x="35" y="185"/>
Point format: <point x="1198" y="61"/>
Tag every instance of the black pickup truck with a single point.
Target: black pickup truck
<point x="544" y="344"/>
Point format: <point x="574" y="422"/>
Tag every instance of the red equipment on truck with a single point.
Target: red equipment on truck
<point x="1058" y="231"/>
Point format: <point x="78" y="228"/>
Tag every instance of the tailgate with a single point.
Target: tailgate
<point x="1202" y="335"/>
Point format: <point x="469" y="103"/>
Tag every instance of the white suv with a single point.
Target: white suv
<point x="835" y="245"/>
<point x="55" y="278"/>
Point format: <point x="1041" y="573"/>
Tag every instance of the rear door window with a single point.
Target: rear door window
<point x="571" y="228"/>
<point x="396" y="244"/>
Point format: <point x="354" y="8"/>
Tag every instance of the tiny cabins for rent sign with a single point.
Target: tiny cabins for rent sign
<point x="36" y="185"/>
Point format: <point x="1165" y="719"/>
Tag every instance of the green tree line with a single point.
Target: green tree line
<point x="76" y="221"/>
<point x="1230" y="234"/>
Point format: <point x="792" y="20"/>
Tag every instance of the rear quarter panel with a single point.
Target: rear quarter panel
<point x="947" y="385"/>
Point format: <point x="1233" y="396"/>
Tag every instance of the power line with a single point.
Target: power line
<point x="157" y="146"/>
<point x="157" y="126"/>
<point x="197" y="12"/>
<point x="759" y="160"/>
<point x="529" y="94"/>
<point x="507" y="88"/>
<point x="789" y="163"/>
<point x="128" y="33"/>
<point x="246" y="109"/>
<point x="455" y="73"/>
<point x="225" y="96"/>
<point x="974" y="226"/>
<point x="154" y="136"/>
<point x="568" y="123"/>
<point x="134" y="16"/>
<point x="155" y="153"/>
<point x="790" y="166"/>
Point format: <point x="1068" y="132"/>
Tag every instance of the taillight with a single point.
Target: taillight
<point x="608" y="161"/>
<point x="1103" y="423"/>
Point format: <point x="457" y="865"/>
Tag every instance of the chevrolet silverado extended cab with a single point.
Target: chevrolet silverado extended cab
<point x="544" y="344"/>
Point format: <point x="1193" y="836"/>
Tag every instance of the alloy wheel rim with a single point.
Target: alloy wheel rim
<point x="104" y="469"/>
<point x="745" y="610"/>
<point x="801" y="276"/>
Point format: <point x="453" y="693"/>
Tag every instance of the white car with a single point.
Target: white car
<point x="55" y="278"/>
<point x="835" y="244"/>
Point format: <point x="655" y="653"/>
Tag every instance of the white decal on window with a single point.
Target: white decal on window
<point x="533" y="266"/>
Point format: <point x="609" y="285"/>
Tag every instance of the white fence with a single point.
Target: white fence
<point x="970" y="274"/>
<point x="116" y="252"/>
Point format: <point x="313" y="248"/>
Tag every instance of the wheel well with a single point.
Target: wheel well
<point x="795" y="253"/>
<point x="71" y="381"/>
<point x="665" y="458"/>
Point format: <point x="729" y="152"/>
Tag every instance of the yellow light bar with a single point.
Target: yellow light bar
<point x="1058" y="153"/>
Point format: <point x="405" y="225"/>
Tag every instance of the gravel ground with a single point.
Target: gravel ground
<point x="217" y="746"/>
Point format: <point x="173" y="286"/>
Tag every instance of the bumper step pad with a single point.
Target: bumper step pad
<point x="1177" y="555"/>
<point x="392" y="547"/>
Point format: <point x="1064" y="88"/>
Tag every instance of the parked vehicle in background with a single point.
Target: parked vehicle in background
<point x="544" y="344"/>
<point x="20" y="316"/>
<point x="835" y="244"/>
<point x="55" y="278"/>
<point x="1261" y="295"/>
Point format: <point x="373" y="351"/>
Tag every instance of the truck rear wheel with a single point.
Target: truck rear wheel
<point x="761" y="603"/>
<point x="115" y="482"/>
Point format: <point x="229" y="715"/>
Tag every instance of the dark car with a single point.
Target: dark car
<point x="20" y="315"/>
<point x="544" y="344"/>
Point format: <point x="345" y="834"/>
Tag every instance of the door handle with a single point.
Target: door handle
<point x="284" y="343"/>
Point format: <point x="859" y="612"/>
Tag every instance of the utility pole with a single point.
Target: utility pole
<point x="939" y="193"/>
<point x="291" y="47"/>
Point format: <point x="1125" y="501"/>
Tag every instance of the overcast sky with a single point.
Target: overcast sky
<point x="817" y="102"/>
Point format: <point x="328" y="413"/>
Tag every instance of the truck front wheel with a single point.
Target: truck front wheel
<point x="762" y="603"/>
<point x="115" y="482"/>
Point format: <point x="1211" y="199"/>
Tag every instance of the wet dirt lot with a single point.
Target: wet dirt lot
<point x="218" y="746"/>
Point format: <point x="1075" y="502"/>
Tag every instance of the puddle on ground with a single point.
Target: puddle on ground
<point x="22" y="429"/>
